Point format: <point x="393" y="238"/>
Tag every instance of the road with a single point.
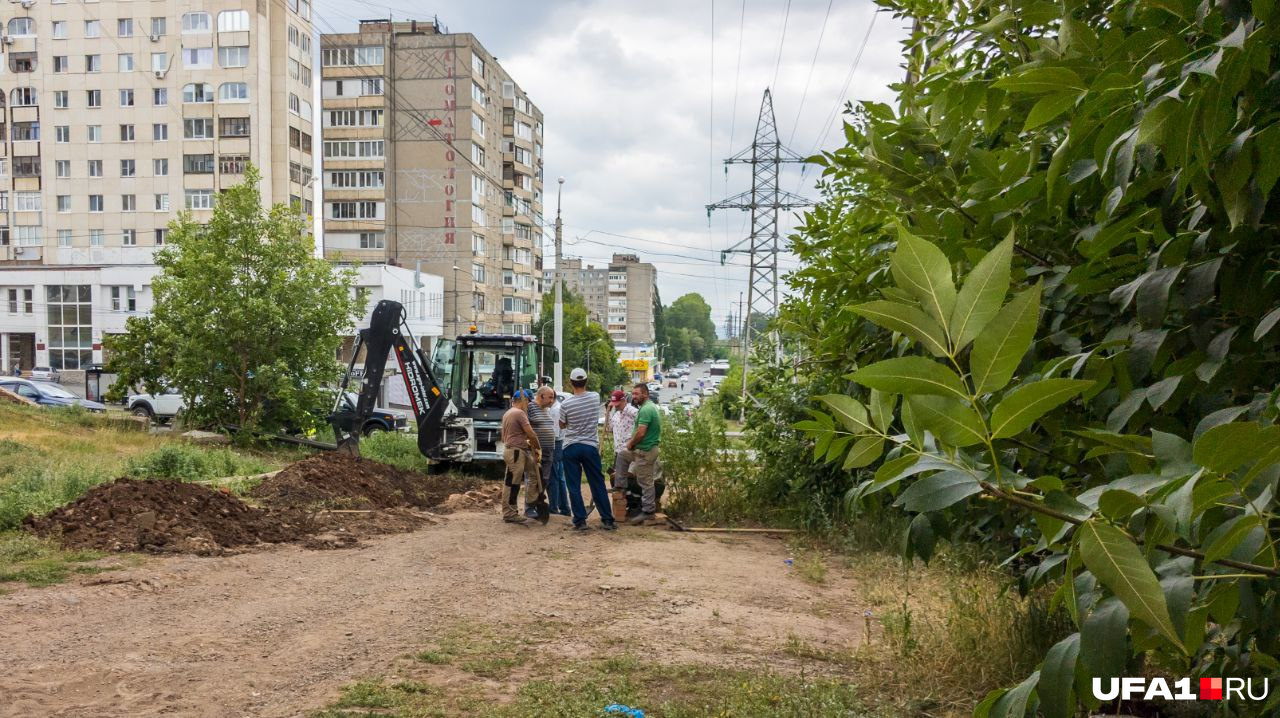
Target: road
<point x="696" y="371"/>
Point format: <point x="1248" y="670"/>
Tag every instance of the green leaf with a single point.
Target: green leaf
<point x="906" y="320"/>
<point x="1102" y="638"/>
<point x="849" y="411"/>
<point x="999" y="348"/>
<point x="1057" y="678"/>
<point x="1014" y="703"/>
<point x="1226" y="447"/>
<point x="863" y="453"/>
<point x="1119" y="564"/>
<point x="952" y="422"/>
<point x="1041" y="80"/>
<point x="1266" y="324"/>
<point x="882" y="406"/>
<point x="1225" y="540"/>
<point x="982" y="294"/>
<point x="1048" y="108"/>
<point x="937" y="492"/>
<point x="1022" y="406"/>
<point x="911" y="375"/>
<point x="1155" y="122"/>
<point x="923" y="270"/>
<point x="919" y="539"/>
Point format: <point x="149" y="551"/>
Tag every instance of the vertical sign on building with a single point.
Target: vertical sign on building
<point x="450" y="154"/>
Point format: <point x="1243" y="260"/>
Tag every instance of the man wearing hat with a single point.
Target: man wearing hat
<point x="580" y="418"/>
<point x="522" y="454"/>
<point x="621" y="418"/>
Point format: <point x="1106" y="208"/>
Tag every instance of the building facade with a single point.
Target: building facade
<point x="117" y="115"/>
<point x="432" y="158"/>
<point x="619" y="297"/>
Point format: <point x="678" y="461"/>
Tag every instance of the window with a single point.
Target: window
<point x="200" y="128"/>
<point x="94" y="133"/>
<point x="124" y="62"/>
<point x="59" y="29"/>
<point x="27" y="202"/>
<point x="62" y="168"/>
<point x="95" y="238"/>
<point x="306" y="142"/>
<point x="95" y="168"/>
<point x="293" y="36"/>
<point x="355" y="210"/>
<point x="61" y="63"/>
<point x="122" y="298"/>
<point x="233" y="21"/>
<point x="124" y="27"/>
<point x="196" y="58"/>
<point x="61" y="99"/>
<point x="195" y="22"/>
<point x="372" y="240"/>
<point x="197" y="92"/>
<point x="233" y="126"/>
<point x="477" y="94"/>
<point x="93" y="98"/>
<point x="128" y="203"/>
<point x="93" y="63"/>
<point x="69" y="313"/>
<point x="160" y="96"/>
<point x="126" y="98"/>
<point x="508" y="278"/>
<point x="128" y="168"/>
<point x="22" y="62"/>
<point x="477" y="245"/>
<point x="294" y="104"/>
<point x="160" y="167"/>
<point x="364" y="149"/>
<point x="233" y="92"/>
<point x="477" y="302"/>
<point x="477" y="216"/>
<point x="23" y="27"/>
<point x="61" y="133"/>
<point x="306" y="76"/>
<point x="233" y="55"/>
<point x="161" y="236"/>
<point x="295" y="138"/>
<point x="477" y="154"/>
<point x="26" y="166"/>
<point x="355" y="179"/>
<point x="92" y="28"/>
<point x="64" y="238"/>
<point x="477" y="188"/>
<point x="477" y="125"/>
<point x="158" y="26"/>
<point x="23" y="131"/>
<point x="353" y="118"/>
<point x="95" y="203"/>
<point x="126" y="133"/>
<point x="351" y="56"/>
<point x="64" y="203"/>
<point x="477" y="65"/>
<point x="197" y="164"/>
<point x="162" y="202"/>
<point x="199" y="199"/>
<point x="159" y="61"/>
<point x="233" y="164"/>
<point x="477" y="272"/>
<point x="24" y="97"/>
<point x="28" y="235"/>
<point x="129" y="238"/>
<point x="305" y="43"/>
<point x="159" y="132"/>
<point x="26" y="304"/>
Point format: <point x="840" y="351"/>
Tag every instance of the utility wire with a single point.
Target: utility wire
<point x="781" y="42"/>
<point x="812" y="64"/>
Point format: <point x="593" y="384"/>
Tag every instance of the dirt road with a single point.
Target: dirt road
<point x="277" y="631"/>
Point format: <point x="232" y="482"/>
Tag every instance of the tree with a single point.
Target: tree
<point x="692" y="312"/>
<point x="581" y="335"/>
<point x="247" y="321"/>
<point x="659" y="321"/>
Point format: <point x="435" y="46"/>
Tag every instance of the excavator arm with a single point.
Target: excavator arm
<point x="441" y="435"/>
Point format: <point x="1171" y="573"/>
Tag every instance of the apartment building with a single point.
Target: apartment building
<point x="619" y="297"/>
<point x="432" y="158"/>
<point x="116" y="115"/>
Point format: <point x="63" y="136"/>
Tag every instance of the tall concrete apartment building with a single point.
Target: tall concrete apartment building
<point x="432" y="158"/>
<point x="115" y="116"/>
<point x="619" y="297"/>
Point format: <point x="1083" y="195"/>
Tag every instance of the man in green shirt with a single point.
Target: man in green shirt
<point x="643" y="447"/>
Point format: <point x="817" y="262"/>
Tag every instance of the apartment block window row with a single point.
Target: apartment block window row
<point x="356" y="210"/>
<point x="353" y="118"/>
<point x="202" y="92"/>
<point x="351" y="56"/>
<point x="233" y="164"/>
<point x="301" y="7"/>
<point x="299" y="139"/>
<point x="372" y="240"/>
<point x="198" y="164"/>
<point x="233" y="126"/>
<point x="299" y="173"/>
<point x="356" y="179"/>
<point x="300" y="40"/>
<point x="199" y="199"/>
<point x="354" y="149"/>
<point x="364" y="87"/>
<point x="299" y="106"/>
<point x="518" y="305"/>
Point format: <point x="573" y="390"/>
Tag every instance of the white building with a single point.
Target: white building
<point x="58" y="316"/>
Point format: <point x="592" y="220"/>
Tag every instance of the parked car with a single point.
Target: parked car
<point x="44" y="373"/>
<point x="157" y="407"/>
<point x="721" y="362"/>
<point x="47" y="394"/>
<point x="382" y="419"/>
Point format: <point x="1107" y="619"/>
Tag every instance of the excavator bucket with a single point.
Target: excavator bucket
<point x="349" y="445"/>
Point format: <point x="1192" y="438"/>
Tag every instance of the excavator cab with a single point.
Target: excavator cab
<point x="479" y="373"/>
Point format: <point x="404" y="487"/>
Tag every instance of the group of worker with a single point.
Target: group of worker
<point x="550" y="444"/>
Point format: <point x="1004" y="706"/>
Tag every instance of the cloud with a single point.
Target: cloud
<point x="639" y="127"/>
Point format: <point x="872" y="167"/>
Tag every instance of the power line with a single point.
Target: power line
<point x="781" y="42"/>
<point x="848" y="80"/>
<point x="812" y="64"/>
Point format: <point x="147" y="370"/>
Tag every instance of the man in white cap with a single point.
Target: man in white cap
<point x="580" y="418"/>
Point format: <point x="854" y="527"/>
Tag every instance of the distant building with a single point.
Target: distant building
<point x="433" y="158"/>
<point x="618" y="297"/>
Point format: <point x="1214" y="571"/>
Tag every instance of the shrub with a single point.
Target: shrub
<point x="185" y="462"/>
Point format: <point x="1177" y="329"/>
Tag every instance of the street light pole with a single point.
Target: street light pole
<point x="456" y="298"/>
<point x="558" y="317"/>
<point x="589" y="354"/>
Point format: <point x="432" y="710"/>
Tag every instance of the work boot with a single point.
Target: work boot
<point x="518" y="520"/>
<point x="581" y="527"/>
<point x="609" y="526"/>
<point x="640" y="519"/>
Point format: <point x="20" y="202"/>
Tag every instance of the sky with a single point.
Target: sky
<point x="643" y="101"/>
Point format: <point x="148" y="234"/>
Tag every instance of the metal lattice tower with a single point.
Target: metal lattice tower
<point x="766" y="155"/>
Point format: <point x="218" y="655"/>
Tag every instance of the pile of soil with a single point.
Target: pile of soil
<point x="164" y="516"/>
<point x="333" y="480"/>
<point x="473" y="500"/>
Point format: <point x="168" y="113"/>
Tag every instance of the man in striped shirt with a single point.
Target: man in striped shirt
<point x="580" y="417"/>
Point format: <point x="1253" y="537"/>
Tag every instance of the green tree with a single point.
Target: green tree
<point x="581" y="335"/>
<point x="246" y="320"/>
<point x="678" y="346"/>
<point x="692" y="312"/>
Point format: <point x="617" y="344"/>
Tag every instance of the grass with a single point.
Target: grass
<point x="395" y="448"/>
<point x="38" y="562"/>
<point x="479" y="650"/>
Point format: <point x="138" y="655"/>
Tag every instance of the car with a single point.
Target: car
<point x="683" y="365"/>
<point x="708" y="360"/>
<point x="44" y="373"/>
<point x="48" y="394"/>
<point x="657" y="376"/>
<point x="156" y="407"/>
<point x="381" y="419"/>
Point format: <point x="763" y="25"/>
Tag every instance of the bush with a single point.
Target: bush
<point x="185" y="462"/>
<point x="707" y="478"/>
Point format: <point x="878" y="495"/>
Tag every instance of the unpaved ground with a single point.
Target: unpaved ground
<point x="277" y="631"/>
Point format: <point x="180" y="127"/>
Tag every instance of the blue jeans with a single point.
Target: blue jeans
<point x="557" y="493"/>
<point x="579" y="458"/>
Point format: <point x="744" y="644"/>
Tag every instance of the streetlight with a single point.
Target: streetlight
<point x="589" y="353"/>
<point x="558" y="314"/>
<point x="456" y="296"/>
<point x="542" y="354"/>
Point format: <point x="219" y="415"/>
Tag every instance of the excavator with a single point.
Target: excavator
<point x="458" y="397"/>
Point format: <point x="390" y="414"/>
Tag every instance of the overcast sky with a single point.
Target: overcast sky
<point x="643" y="101"/>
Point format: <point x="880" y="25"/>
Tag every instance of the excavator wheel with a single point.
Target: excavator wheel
<point x="439" y="468"/>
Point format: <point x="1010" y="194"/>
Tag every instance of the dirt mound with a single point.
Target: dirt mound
<point x="164" y="516"/>
<point x="473" y="500"/>
<point x="334" y="480"/>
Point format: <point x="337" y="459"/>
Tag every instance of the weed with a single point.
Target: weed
<point x="38" y="562"/>
<point x="810" y="567"/>
<point x="435" y="658"/>
<point x="185" y="462"/>
<point x="395" y="448"/>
